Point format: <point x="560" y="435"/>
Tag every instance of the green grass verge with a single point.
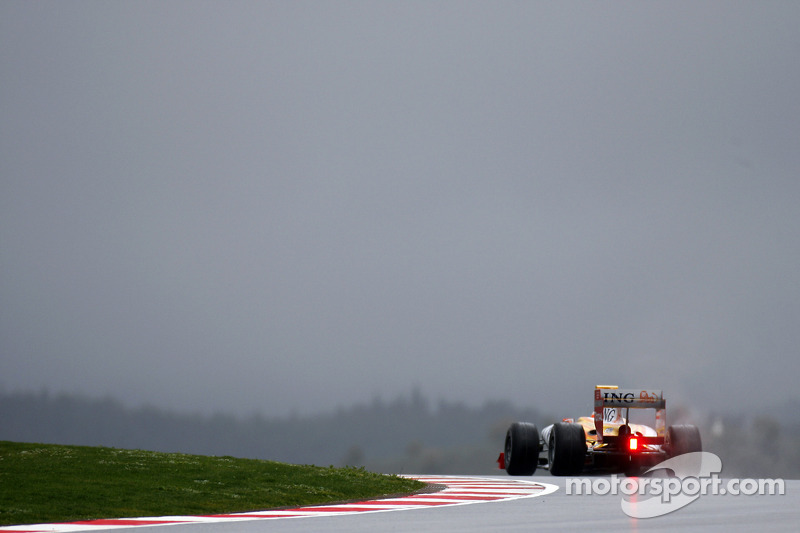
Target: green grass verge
<point x="42" y="483"/>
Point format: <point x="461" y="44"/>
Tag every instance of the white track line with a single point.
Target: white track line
<point x="459" y="490"/>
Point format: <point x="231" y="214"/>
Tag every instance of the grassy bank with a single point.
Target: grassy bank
<point x="50" y="483"/>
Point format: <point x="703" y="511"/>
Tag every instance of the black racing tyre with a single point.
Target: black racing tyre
<point x="566" y="449"/>
<point x="522" y="449"/>
<point x="682" y="439"/>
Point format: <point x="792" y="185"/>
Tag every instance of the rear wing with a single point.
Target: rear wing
<point x="609" y="396"/>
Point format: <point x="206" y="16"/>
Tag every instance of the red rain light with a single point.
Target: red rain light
<point x="633" y="444"/>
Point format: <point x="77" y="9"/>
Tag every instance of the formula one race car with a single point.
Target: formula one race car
<point x="604" y="442"/>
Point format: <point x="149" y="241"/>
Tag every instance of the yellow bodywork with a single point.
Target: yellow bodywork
<point x="610" y="429"/>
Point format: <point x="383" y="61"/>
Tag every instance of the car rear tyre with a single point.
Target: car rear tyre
<point x="566" y="449"/>
<point x="522" y="449"/>
<point x="683" y="439"/>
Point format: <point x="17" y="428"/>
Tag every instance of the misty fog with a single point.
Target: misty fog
<point x="289" y="207"/>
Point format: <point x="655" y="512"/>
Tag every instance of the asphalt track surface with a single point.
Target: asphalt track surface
<point x="548" y="508"/>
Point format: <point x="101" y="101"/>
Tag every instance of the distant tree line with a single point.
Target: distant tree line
<point x="396" y="434"/>
<point x="405" y="435"/>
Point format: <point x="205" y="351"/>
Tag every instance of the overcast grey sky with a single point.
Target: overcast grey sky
<point x="291" y="206"/>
